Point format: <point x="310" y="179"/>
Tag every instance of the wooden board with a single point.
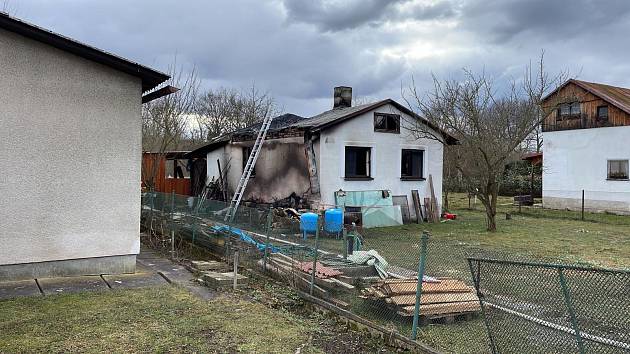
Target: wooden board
<point x="416" y="206"/>
<point x="444" y="286"/>
<point x="403" y="202"/>
<point x="441" y="309"/>
<point x="434" y="216"/>
<point x="432" y="298"/>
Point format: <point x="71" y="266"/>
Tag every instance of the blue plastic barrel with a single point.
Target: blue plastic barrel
<point x="308" y="223"/>
<point x="333" y="220"/>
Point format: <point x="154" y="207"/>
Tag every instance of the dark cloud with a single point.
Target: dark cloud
<point x="299" y="50"/>
<point x="504" y="20"/>
<point x="335" y="15"/>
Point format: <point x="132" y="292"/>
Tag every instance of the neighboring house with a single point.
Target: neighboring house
<point x="71" y="114"/>
<point x="364" y="158"/>
<point x="586" y="147"/>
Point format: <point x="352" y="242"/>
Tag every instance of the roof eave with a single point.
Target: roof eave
<point x="150" y="78"/>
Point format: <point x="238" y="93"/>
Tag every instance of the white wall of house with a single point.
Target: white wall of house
<point x="576" y="160"/>
<point x="386" y="151"/>
<point x="75" y="127"/>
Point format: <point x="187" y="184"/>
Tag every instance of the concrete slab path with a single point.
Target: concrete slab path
<point x="60" y="285"/>
<point x="19" y="288"/>
<point x="152" y="269"/>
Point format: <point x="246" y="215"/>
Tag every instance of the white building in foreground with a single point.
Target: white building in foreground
<point x="70" y="150"/>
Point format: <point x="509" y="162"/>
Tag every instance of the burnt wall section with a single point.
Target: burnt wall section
<point x="281" y="170"/>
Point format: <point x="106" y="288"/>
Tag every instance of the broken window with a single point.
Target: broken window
<point x="618" y="169"/>
<point x="358" y="162"/>
<point x="602" y="113"/>
<point x="387" y="123"/>
<point x="411" y="164"/>
<point x="246" y="152"/>
<point x="177" y="168"/>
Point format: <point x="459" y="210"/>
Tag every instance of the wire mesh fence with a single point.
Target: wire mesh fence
<point x="549" y="308"/>
<point x="374" y="274"/>
<point x="587" y="205"/>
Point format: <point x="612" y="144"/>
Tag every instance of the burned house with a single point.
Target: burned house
<point x="364" y="158"/>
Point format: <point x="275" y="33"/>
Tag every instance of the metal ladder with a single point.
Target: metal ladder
<point x="247" y="171"/>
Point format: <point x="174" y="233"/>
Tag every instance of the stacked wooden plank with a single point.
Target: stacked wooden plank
<point x="299" y="274"/>
<point x="443" y="297"/>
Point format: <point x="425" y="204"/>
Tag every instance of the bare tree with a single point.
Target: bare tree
<point x="489" y="125"/>
<point x="165" y="121"/>
<point x="224" y="110"/>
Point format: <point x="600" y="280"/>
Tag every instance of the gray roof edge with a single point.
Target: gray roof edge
<point x="151" y="78"/>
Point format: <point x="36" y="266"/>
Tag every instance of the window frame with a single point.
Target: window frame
<point x="356" y="177"/>
<point x="246" y="151"/>
<point x="387" y="116"/>
<point x="622" y="178"/>
<point x="569" y="108"/>
<point x="412" y="177"/>
<point x="170" y="165"/>
<point x="597" y="115"/>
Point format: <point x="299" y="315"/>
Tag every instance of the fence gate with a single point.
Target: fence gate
<point x="551" y="308"/>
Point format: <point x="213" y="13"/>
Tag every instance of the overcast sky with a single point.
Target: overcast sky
<point x="300" y="49"/>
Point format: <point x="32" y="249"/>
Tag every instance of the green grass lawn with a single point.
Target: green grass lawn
<point x="534" y="235"/>
<point x="602" y="240"/>
<point x="162" y="319"/>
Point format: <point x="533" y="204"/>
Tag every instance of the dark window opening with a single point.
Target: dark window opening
<point x="246" y="152"/>
<point x="618" y="169"/>
<point x="358" y="162"/>
<point x="387" y="123"/>
<point x="411" y="164"/>
<point x="602" y="113"/>
<point x="177" y="168"/>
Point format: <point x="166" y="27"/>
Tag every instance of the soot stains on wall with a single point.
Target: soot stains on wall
<point x="281" y="169"/>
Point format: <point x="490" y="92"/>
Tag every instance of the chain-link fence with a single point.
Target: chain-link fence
<point x="587" y="205"/>
<point x="549" y="308"/>
<point x="371" y="272"/>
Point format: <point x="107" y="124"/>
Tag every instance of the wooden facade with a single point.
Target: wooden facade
<point x="590" y="96"/>
<point x="162" y="183"/>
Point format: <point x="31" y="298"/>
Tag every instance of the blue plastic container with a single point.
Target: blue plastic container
<point x="308" y="223"/>
<point x="333" y="220"/>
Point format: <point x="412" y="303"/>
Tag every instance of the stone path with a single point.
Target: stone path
<point x="151" y="270"/>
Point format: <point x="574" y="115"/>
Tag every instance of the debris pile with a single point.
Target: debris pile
<point x="440" y="297"/>
<point x="327" y="279"/>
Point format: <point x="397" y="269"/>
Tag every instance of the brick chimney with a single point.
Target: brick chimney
<point x="342" y="97"/>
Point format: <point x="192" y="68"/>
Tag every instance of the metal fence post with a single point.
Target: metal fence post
<point x="235" y="280"/>
<point x="173" y="224"/>
<point x="582" y="204"/>
<point x="152" y="207"/>
<point x="315" y="258"/>
<point x="571" y="310"/>
<point x="345" y="243"/>
<point x="268" y="232"/>
<point x="421" y="264"/>
<point x="476" y="275"/>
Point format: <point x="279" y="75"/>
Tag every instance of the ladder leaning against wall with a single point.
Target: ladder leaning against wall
<point x="247" y="171"/>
